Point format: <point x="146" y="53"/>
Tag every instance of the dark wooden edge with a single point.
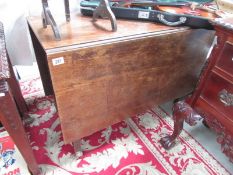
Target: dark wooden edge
<point x="4" y="67"/>
<point x="11" y="120"/>
<point x="42" y="63"/>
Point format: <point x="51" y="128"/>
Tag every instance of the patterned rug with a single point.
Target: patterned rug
<point x="130" y="147"/>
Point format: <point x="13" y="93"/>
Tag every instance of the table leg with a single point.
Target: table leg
<point x="77" y="148"/>
<point x="182" y="111"/>
<point x="16" y="91"/>
<point x="11" y="120"/>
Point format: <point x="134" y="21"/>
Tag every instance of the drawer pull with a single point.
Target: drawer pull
<point x="225" y="97"/>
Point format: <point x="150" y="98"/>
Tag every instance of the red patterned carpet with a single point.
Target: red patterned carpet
<point x="130" y="147"/>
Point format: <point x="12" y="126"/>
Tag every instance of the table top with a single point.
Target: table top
<point x="82" y="32"/>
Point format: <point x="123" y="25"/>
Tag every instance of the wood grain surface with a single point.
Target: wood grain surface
<point x="108" y="76"/>
<point x="81" y="30"/>
<point x="99" y="86"/>
<point x="212" y="97"/>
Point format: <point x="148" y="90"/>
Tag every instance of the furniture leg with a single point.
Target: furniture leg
<point x="67" y="10"/>
<point x="181" y="112"/>
<point x="11" y="120"/>
<point x="16" y="91"/>
<point x="77" y="148"/>
<point x="205" y="123"/>
<point x="105" y="11"/>
<point x="49" y="20"/>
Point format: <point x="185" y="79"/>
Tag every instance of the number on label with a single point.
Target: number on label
<point x="58" y="61"/>
<point x="144" y="15"/>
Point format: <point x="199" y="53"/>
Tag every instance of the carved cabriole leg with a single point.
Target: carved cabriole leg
<point x="181" y="112"/>
<point x="178" y="116"/>
<point x="205" y="123"/>
<point x="77" y="148"/>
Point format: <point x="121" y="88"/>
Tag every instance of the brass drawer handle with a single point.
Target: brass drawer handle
<point x="225" y="97"/>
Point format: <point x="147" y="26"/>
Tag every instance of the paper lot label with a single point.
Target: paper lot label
<point x="144" y="15"/>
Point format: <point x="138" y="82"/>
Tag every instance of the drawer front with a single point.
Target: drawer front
<point x="225" y="61"/>
<point x="218" y="92"/>
<point x="213" y="115"/>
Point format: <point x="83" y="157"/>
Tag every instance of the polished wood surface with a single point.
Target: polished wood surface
<point x="108" y="76"/>
<point x="226" y="62"/>
<point x="210" y="93"/>
<point x="213" y="97"/>
<point x="81" y="31"/>
<point x="99" y="86"/>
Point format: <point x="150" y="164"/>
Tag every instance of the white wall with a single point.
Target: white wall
<point x="18" y="43"/>
<point x="13" y="14"/>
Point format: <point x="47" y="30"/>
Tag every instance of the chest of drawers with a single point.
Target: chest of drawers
<point x="213" y="96"/>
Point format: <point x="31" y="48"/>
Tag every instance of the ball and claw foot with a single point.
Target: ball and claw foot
<point x="181" y="111"/>
<point x="167" y="142"/>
